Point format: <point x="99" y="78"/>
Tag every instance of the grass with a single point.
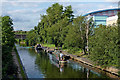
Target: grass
<point x="21" y="67"/>
<point x="22" y="42"/>
<point x="64" y="49"/>
<point x="49" y="45"/>
<point x="78" y="53"/>
<point x="75" y="52"/>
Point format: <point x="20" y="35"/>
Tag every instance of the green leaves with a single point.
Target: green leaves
<point x="32" y="37"/>
<point x="8" y="67"/>
<point x="103" y="46"/>
<point x="7" y="31"/>
<point x="53" y="26"/>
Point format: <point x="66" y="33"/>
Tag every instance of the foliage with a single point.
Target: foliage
<point x="53" y="27"/>
<point x="31" y="38"/>
<point x="60" y="28"/>
<point x="76" y="34"/>
<point x="9" y="69"/>
<point x="48" y="45"/>
<point x="119" y="29"/>
<point x="103" y="46"/>
<point x="21" y="32"/>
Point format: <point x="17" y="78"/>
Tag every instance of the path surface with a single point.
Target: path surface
<point x="82" y="59"/>
<point x="17" y="63"/>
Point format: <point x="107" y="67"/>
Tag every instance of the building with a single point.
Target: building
<point x="100" y="16"/>
<point x="99" y="20"/>
<point x="112" y="20"/>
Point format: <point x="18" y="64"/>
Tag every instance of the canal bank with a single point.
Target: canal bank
<point x="110" y="71"/>
<point x="21" y="71"/>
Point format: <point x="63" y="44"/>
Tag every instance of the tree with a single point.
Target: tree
<point x="89" y="27"/>
<point x="68" y="13"/>
<point x="76" y="37"/>
<point x="52" y="27"/>
<point x="54" y="13"/>
<point x="118" y="23"/>
<point x="119" y="29"/>
<point x="8" y="67"/>
<point x="32" y="38"/>
<point x="103" y="46"/>
<point x="7" y="31"/>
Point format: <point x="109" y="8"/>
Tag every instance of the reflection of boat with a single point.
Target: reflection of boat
<point x="53" y="62"/>
<point x="30" y="47"/>
<point x="60" y="66"/>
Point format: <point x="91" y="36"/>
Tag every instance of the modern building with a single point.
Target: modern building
<point x="99" y="20"/>
<point x="101" y="16"/>
<point x="112" y="20"/>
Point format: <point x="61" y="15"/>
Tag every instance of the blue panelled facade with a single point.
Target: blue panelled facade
<point x="99" y="20"/>
<point x="100" y="16"/>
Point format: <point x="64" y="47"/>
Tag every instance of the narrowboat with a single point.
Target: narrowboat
<point x="59" y="57"/>
<point x="38" y="47"/>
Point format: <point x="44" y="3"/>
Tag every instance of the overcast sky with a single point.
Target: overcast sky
<point x="26" y="14"/>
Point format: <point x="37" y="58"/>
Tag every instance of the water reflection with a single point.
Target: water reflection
<point x="41" y="65"/>
<point x="52" y="69"/>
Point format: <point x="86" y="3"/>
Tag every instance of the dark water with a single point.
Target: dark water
<point x="39" y="65"/>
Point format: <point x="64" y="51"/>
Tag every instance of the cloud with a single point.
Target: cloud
<point x="61" y="0"/>
<point x="37" y="0"/>
<point x="20" y="19"/>
<point x="104" y="6"/>
<point x="24" y="18"/>
<point x="17" y="11"/>
<point x="112" y="0"/>
<point x="26" y="15"/>
<point x="84" y="8"/>
<point x="23" y="4"/>
<point x="39" y="11"/>
<point x="24" y="26"/>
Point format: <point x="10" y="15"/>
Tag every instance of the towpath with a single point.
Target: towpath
<point x="17" y="63"/>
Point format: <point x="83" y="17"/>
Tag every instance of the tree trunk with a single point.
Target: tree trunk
<point x="87" y="31"/>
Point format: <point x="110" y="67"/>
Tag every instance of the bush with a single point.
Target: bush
<point x="103" y="46"/>
<point x="73" y="50"/>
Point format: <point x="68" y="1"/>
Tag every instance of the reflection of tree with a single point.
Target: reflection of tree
<point x="52" y="71"/>
<point x="32" y="52"/>
<point x="44" y="64"/>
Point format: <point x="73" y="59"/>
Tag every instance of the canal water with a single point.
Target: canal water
<point x="40" y="65"/>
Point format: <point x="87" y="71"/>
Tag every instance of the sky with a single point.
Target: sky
<point x="26" y="13"/>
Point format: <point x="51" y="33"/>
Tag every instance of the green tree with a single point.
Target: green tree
<point x="76" y="37"/>
<point x="103" y="46"/>
<point x="119" y="29"/>
<point x="32" y="38"/>
<point x="7" y="31"/>
<point x="52" y="27"/>
<point x="68" y="13"/>
<point x="54" y="13"/>
<point x="8" y="67"/>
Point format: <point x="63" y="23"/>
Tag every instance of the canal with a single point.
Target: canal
<point x="40" y="65"/>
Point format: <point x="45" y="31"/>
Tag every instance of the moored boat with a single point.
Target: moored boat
<point x="58" y="58"/>
<point x="38" y="47"/>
